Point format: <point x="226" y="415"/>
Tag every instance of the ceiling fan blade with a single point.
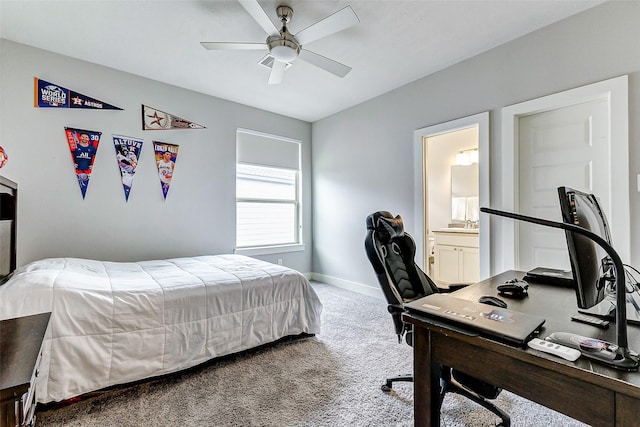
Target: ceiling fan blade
<point x="341" y="20"/>
<point x="325" y="63"/>
<point x="233" y="46"/>
<point x="277" y="72"/>
<point x="259" y="15"/>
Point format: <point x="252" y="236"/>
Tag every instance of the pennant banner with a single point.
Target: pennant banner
<point x="84" y="146"/>
<point x="49" y="95"/>
<point x="3" y="157"/>
<point x="166" y="155"/>
<point x="127" y="154"/>
<point x="153" y="119"/>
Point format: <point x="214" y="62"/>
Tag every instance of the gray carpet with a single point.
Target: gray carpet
<point x="332" y="379"/>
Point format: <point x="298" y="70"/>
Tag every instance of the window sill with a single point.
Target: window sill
<point x="266" y="250"/>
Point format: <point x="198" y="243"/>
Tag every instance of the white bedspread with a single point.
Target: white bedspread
<point x="113" y="323"/>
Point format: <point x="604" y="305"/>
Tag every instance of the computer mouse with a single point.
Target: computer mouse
<point x="514" y="288"/>
<point x="488" y="299"/>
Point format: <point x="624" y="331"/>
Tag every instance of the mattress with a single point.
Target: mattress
<point x="117" y="322"/>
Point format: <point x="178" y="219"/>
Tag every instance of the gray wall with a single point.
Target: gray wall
<point x="363" y="157"/>
<point x="198" y="216"/>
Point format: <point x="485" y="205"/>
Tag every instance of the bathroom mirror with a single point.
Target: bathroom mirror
<point x="464" y="193"/>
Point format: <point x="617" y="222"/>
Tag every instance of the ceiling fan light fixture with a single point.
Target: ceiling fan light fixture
<point x="283" y="48"/>
<point x="284" y="53"/>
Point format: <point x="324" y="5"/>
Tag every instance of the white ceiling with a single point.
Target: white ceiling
<point x="396" y="42"/>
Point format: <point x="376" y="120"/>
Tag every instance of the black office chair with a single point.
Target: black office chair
<point x="391" y="251"/>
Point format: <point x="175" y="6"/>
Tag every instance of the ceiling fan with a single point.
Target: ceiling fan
<point x="284" y="47"/>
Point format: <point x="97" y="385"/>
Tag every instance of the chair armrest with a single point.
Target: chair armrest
<point x="396" y="311"/>
<point x="395" y="308"/>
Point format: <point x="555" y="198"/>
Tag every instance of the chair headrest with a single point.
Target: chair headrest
<point x="386" y="226"/>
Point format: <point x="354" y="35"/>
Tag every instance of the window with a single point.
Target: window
<point x="267" y="191"/>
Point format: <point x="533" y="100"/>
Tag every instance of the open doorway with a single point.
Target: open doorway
<point x="458" y="149"/>
<point x="452" y="190"/>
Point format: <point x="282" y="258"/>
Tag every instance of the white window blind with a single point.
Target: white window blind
<point x="267" y="150"/>
<point x="267" y="191"/>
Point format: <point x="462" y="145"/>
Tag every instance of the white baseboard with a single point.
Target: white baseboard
<point x="347" y="284"/>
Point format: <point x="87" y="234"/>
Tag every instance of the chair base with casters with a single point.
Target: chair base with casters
<point x="391" y="252"/>
<point x="388" y="386"/>
<point x="448" y="385"/>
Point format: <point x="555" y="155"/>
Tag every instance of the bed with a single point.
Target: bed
<point x="118" y="322"/>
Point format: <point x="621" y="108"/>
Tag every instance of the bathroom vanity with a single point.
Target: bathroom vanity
<point x="456" y="256"/>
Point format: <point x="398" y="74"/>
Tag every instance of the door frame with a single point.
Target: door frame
<point x="481" y="120"/>
<point x="615" y="90"/>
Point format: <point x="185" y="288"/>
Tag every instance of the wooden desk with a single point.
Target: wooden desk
<point x="20" y="349"/>
<point x="584" y="390"/>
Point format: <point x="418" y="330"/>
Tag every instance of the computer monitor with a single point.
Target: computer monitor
<point x="591" y="266"/>
<point x="620" y="356"/>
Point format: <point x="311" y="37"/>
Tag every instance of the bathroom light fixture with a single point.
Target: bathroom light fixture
<point x="473" y="156"/>
<point x="467" y="157"/>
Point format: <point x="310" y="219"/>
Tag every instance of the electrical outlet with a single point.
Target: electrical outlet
<point x="279" y="261"/>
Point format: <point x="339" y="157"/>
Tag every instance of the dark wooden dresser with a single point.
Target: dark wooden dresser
<point x="20" y="350"/>
<point x="8" y="204"/>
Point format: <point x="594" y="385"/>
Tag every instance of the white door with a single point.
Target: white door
<point x="615" y="92"/>
<point x="567" y="146"/>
